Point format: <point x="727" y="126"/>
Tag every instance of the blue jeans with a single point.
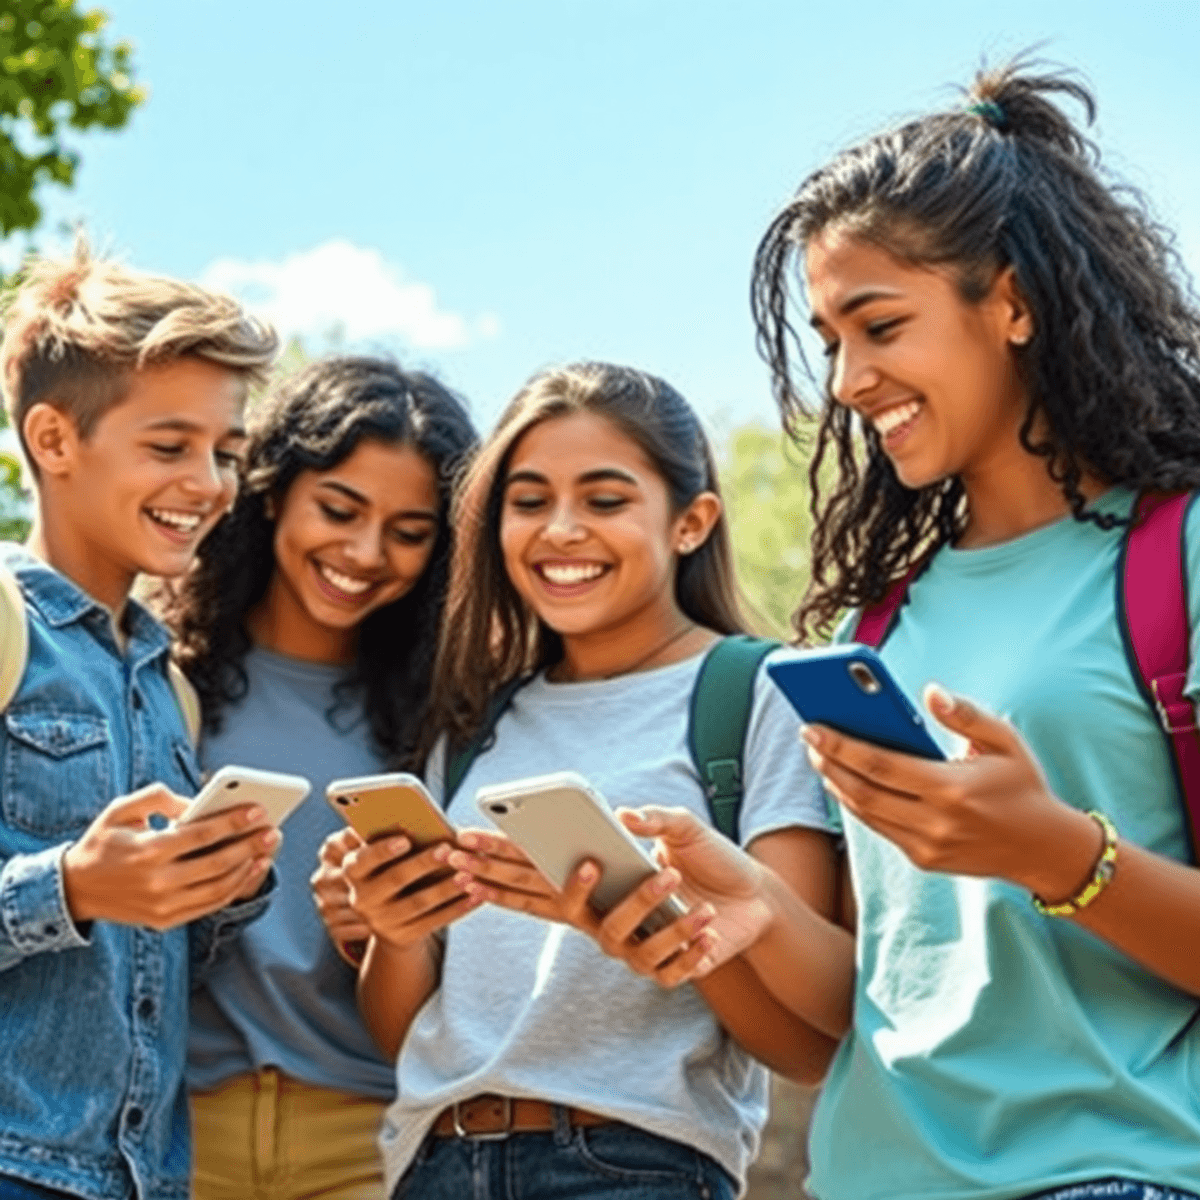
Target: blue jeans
<point x="18" y="1189"/>
<point x="1113" y="1189"/>
<point x="602" y="1162"/>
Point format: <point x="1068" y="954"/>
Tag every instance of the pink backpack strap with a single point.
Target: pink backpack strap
<point x="875" y="622"/>
<point x="1152" y="607"/>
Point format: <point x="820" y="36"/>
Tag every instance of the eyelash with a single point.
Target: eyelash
<point x="340" y="515"/>
<point x="226" y="458"/>
<point x="875" y="330"/>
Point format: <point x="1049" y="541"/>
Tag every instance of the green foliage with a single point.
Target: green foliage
<point x="14" y="519"/>
<point x="764" y="479"/>
<point x="57" y="73"/>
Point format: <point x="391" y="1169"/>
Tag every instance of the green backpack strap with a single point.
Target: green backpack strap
<point x="14" y="636"/>
<point x="718" y="717"/>
<point x="459" y="762"/>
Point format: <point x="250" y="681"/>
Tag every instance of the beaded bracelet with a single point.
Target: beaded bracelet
<point x="1105" y="869"/>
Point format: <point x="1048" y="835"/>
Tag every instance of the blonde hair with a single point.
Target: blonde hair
<point x="75" y="328"/>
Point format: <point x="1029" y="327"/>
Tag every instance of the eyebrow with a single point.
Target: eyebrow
<point x="599" y="475"/>
<point x="182" y="425"/>
<point x="856" y="301"/>
<point x="416" y="514"/>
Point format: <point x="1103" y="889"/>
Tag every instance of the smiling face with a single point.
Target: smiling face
<point x="347" y="541"/>
<point x="934" y="374"/>
<point x="589" y="537"/>
<point x="153" y="477"/>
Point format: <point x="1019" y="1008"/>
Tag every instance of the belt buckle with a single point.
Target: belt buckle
<point x="496" y="1135"/>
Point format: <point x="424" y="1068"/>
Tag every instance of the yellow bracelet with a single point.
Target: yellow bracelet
<point x="1105" y="869"/>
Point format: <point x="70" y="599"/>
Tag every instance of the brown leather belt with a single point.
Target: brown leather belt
<point x="491" y="1118"/>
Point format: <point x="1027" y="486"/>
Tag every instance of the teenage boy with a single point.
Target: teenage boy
<point x="126" y="392"/>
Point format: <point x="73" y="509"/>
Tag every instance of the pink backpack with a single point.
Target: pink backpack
<point x="1152" y="607"/>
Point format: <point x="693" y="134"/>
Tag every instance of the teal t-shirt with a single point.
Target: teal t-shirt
<point x="995" y="1051"/>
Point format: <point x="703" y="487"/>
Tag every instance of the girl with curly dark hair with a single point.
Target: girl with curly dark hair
<point x="1013" y="358"/>
<point x="309" y="628"/>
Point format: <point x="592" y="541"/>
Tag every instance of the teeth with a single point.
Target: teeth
<point x="893" y="418"/>
<point x="344" y="583"/>
<point x="185" y="522"/>
<point x="564" y="575"/>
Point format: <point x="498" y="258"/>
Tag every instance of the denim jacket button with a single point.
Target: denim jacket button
<point x="146" y="1008"/>
<point x="133" y="1118"/>
<point x="136" y="699"/>
<point x="50" y="930"/>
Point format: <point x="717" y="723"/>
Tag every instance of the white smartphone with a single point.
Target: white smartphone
<point x="559" y="820"/>
<point x="278" y="794"/>
<point x="376" y="805"/>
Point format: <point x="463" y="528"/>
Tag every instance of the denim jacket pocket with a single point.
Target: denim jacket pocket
<point x="57" y="770"/>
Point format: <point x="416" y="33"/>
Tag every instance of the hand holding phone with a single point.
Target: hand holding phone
<point x="277" y="794"/>
<point x="560" y="821"/>
<point x="849" y="689"/>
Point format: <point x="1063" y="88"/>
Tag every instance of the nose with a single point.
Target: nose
<point x="208" y="482"/>
<point x="563" y="525"/>
<point x="853" y="374"/>
<point x="364" y="547"/>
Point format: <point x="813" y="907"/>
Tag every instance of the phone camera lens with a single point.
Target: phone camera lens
<point x="498" y="808"/>
<point x="861" y="674"/>
<point x="231" y="785"/>
<point x="344" y="801"/>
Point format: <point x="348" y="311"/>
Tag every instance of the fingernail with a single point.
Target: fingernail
<point x="465" y="881"/>
<point x="587" y="872"/>
<point x="704" y="965"/>
<point x="441" y="853"/>
<point x="456" y="858"/>
<point x="396" y="845"/>
<point x="938" y="695"/>
<point x="812" y="736"/>
<point x="469" y="840"/>
<point x="667" y="881"/>
<point x="253" y="813"/>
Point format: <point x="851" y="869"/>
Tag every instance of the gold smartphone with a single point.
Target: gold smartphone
<point x="377" y="805"/>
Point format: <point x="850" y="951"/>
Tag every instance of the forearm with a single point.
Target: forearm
<point x="805" y="961"/>
<point x="763" y="1027"/>
<point x="1150" y="910"/>
<point x="393" y="984"/>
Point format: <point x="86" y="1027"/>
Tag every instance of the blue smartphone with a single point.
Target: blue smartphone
<point x="849" y="689"/>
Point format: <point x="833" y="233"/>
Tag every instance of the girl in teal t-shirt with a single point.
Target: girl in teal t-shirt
<point x="1012" y="358"/>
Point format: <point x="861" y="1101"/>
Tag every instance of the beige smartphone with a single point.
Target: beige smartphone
<point x="559" y="820"/>
<point x="377" y="805"/>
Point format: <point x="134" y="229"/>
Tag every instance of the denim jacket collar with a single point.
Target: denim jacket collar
<point x="61" y="602"/>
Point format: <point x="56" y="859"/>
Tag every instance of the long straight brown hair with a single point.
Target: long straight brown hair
<point x="490" y="636"/>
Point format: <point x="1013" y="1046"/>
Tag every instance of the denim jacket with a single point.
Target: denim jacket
<point x="93" y="1021"/>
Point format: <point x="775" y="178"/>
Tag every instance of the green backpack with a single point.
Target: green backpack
<point x="718" y="716"/>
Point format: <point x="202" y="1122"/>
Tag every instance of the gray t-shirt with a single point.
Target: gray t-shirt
<point x="282" y="997"/>
<point x="535" y="1009"/>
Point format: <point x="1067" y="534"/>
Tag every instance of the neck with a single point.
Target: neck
<point x="81" y="564"/>
<point x="1009" y="498"/>
<point x="280" y="625"/>
<point x="656" y="642"/>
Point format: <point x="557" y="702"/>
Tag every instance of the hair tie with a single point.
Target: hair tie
<point x="989" y="111"/>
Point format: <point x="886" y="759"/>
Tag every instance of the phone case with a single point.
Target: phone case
<point x="375" y="805"/>
<point x="277" y="793"/>
<point x="849" y="689"/>
<point x="559" y="820"/>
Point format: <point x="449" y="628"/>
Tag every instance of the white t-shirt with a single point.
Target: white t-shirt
<point x="529" y="1008"/>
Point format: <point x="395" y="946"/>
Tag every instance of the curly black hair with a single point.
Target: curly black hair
<point x="1112" y="372"/>
<point x="311" y="422"/>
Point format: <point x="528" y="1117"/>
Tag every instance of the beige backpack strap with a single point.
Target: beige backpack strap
<point x="14" y="636"/>
<point x="189" y="702"/>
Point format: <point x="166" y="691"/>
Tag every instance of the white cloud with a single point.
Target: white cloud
<point x="346" y="291"/>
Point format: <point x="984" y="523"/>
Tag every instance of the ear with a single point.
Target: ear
<point x="1013" y="308"/>
<point x="51" y="439"/>
<point x="691" y="528"/>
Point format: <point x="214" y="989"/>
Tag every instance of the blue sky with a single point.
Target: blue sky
<point x="488" y="188"/>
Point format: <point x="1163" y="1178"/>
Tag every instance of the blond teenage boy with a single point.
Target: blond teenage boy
<point x="127" y="394"/>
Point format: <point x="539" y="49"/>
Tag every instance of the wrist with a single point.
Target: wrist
<point x="1070" y="849"/>
<point x="75" y="891"/>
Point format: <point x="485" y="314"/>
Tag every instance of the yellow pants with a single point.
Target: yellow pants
<point x="266" y="1136"/>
